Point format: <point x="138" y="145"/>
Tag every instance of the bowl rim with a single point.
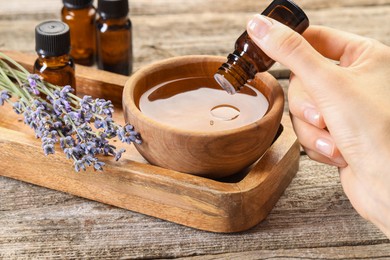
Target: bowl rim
<point x="128" y="100"/>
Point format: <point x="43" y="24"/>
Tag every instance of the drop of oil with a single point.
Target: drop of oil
<point x="225" y="112"/>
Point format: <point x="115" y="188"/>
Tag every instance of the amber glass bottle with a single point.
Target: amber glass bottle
<point x="80" y="15"/>
<point x="248" y="59"/>
<point x="52" y="44"/>
<point x="114" y="38"/>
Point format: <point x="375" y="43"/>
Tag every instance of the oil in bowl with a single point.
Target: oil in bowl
<point x="200" y="104"/>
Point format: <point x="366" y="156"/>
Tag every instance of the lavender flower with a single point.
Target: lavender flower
<point x="102" y="107"/>
<point x="98" y="165"/>
<point x="127" y="134"/>
<point x="18" y="107"/>
<point x="61" y="105"/>
<point x="4" y="96"/>
<point x="49" y="138"/>
<point x="118" y="155"/>
<point x="32" y="82"/>
<point x="82" y="126"/>
<point x="79" y="164"/>
<point x="65" y="91"/>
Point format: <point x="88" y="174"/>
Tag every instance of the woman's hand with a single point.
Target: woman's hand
<point x="340" y="110"/>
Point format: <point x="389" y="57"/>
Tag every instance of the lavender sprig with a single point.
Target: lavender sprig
<point x="82" y="126"/>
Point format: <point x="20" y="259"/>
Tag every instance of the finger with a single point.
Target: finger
<point x="302" y="106"/>
<point x="321" y="76"/>
<point x="287" y="47"/>
<point x="322" y="158"/>
<point x="334" y="44"/>
<point x="318" y="140"/>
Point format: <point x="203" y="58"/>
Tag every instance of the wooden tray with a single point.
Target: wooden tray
<point x="227" y="205"/>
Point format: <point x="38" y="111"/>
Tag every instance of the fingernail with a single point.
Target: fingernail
<point x="312" y="116"/>
<point x="325" y="147"/>
<point x="340" y="161"/>
<point x="259" y="25"/>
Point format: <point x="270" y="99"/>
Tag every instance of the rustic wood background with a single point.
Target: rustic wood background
<point x="313" y="219"/>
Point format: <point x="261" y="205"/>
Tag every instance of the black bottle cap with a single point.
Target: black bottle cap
<point x="113" y="8"/>
<point x="52" y="38"/>
<point x="77" y="4"/>
<point x="288" y="13"/>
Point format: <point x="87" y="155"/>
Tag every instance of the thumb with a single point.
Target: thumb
<point x="286" y="46"/>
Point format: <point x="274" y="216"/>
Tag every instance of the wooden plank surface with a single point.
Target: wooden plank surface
<point x="167" y="34"/>
<point x="313" y="219"/>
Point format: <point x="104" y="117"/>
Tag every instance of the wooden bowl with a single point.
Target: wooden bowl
<point x="210" y="154"/>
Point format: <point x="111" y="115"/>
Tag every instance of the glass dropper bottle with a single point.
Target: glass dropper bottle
<point x="80" y="16"/>
<point x="248" y="59"/>
<point x="52" y="44"/>
<point x="114" y="37"/>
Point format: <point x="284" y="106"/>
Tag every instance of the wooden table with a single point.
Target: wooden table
<point x="313" y="219"/>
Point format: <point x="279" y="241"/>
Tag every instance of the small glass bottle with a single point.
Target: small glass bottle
<point x="52" y="44"/>
<point x="114" y="37"/>
<point x="248" y="59"/>
<point x="80" y="15"/>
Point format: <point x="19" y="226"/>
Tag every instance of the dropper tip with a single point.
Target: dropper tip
<point x="225" y="84"/>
